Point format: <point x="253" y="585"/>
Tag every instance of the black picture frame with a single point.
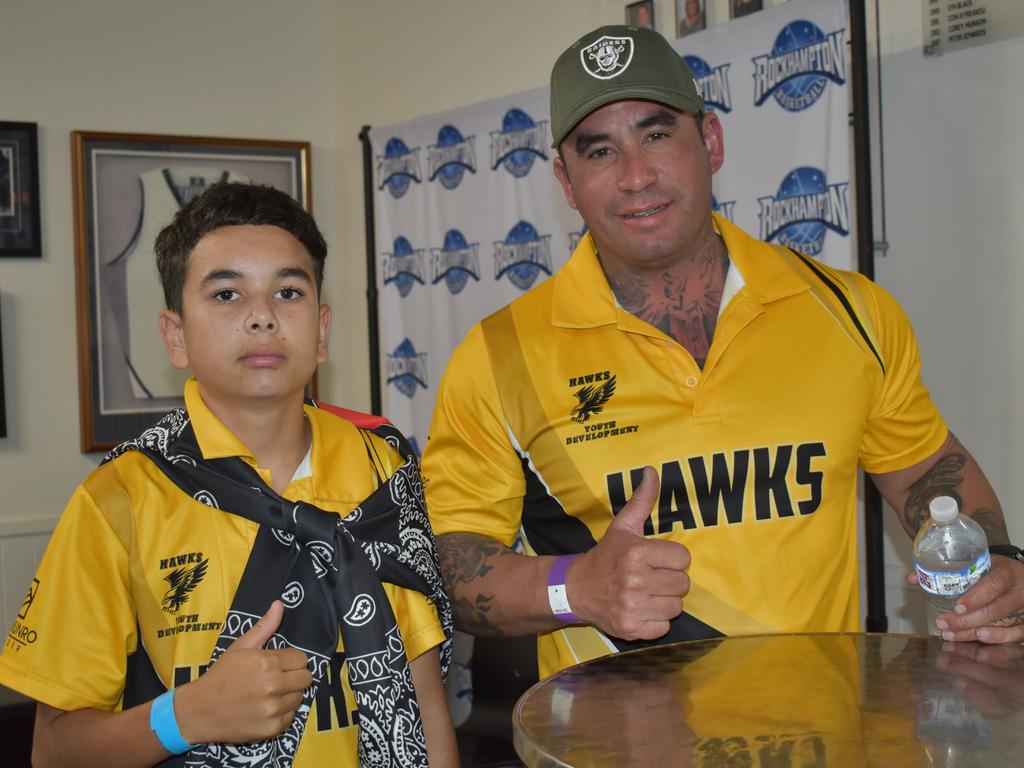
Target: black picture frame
<point x="641" y="14"/>
<point x="740" y="8"/>
<point x="20" y="229"/>
<point x="127" y="186"/>
<point x="3" y="398"/>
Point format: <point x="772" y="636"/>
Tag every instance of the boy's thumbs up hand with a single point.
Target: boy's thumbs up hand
<point x="250" y="694"/>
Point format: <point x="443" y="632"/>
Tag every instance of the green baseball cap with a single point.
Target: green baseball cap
<point x="614" y="63"/>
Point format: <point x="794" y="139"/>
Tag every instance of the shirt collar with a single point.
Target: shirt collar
<point x="583" y="299"/>
<point x="215" y="440"/>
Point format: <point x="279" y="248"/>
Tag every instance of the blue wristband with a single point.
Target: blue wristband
<point x="165" y="725"/>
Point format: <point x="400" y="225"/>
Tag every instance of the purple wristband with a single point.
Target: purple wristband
<point x="558" y="597"/>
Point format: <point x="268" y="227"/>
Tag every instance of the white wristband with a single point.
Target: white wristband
<point x="558" y="597"/>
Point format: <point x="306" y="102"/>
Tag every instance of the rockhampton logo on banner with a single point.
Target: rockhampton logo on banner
<point x="519" y="142"/>
<point x="398" y="167"/>
<point x="451" y="157"/>
<point x="713" y="83"/>
<point x="522" y="255"/>
<point x="407" y="368"/>
<point x="403" y="266"/>
<point x="804" y="206"/>
<point x="455" y="262"/>
<point x="800" y="64"/>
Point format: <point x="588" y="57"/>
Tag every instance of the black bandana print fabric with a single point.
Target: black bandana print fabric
<point x="328" y="572"/>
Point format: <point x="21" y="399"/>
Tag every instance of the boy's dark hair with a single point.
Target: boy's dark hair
<point x="228" y="204"/>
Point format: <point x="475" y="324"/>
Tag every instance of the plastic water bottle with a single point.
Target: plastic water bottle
<point x="950" y="556"/>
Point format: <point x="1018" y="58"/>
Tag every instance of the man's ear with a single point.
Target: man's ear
<point x="714" y="141"/>
<point x="173" y="334"/>
<point x="563" y="178"/>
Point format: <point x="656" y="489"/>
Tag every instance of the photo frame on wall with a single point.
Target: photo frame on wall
<point x="127" y="187"/>
<point x="3" y="398"/>
<point x="738" y="8"/>
<point x="690" y="17"/>
<point x="640" y="14"/>
<point x="19" y="190"/>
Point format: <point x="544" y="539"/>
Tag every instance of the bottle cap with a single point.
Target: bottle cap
<point x="943" y="509"/>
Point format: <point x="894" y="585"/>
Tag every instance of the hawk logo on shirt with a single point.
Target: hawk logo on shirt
<point x="29" y="599"/>
<point x="592" y="400"/>
<point x="182" y="580"/>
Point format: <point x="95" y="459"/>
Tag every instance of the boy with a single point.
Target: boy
<point x="190" y="601"/>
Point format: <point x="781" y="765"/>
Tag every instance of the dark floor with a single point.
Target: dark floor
<point x="16" y="734"/>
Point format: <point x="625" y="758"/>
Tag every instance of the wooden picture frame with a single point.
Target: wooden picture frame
<point x="19" y="190"/>
<point x="126" y="188"/>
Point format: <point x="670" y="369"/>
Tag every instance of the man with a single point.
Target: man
<point x="207" y="586"/>
<point x="750" y="378"/>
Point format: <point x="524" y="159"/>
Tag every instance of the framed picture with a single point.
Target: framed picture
<point x="127" y="187"/>
<point x="3" y="399"/>
<point x="739" y="8"/>
<point x="19" y="190"/>
<point x="640" y="14"/>
<point x="689" y="17"/>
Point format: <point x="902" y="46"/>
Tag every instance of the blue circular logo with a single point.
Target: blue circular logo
<point x="398" y="184"/>
<point x="456" y="278"/>
<point x="519" y="161"/>
<point x="799" y="92"/>
<point x="403" y="280"/>
<point x="450" y="174"/>
<point x="525" y="273"/>
<point x="805" y="236"/>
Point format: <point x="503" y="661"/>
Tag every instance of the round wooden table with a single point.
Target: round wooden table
<point x="781" y="701"/>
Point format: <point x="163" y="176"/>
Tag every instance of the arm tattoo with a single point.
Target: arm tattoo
<point x="993" y="524"/>
<point x="464" y="558"/>
<point x="472" y="617"/>
<point x="940" y="480"/>
<point x="943" y="480"/>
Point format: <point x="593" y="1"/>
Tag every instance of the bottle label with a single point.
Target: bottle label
<point x="953" y="583"/>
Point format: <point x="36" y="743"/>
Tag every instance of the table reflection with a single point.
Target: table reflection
<point x="781" y="701"/>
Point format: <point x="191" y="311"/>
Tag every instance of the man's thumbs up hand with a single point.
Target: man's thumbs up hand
<point x="629" y="586"/>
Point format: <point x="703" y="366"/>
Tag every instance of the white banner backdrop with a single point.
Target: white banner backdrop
<point x="778" y="81"/>
<point x="469" y="214"/>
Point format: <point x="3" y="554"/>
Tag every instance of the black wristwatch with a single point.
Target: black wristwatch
<point x="1008" y="550"/>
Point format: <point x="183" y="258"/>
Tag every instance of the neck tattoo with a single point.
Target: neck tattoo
<point x="682" y="301"/>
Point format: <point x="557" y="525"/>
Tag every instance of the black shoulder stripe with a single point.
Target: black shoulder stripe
<point x="842" y="300"/>
<point x="548" y="528"/>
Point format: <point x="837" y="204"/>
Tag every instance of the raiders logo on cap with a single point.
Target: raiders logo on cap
<point x="607" y="57"/>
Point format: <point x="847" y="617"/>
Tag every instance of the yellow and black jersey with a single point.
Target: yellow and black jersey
<point x="138" y="577"/>
<point x="551" y="407"/>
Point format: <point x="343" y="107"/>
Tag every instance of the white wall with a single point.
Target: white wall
<point x="953" y="160"/>
<point x="237" y="68"/>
